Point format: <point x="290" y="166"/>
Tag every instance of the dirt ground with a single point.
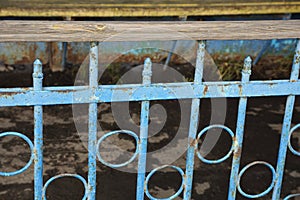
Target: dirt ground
<point x="65" y="153"/>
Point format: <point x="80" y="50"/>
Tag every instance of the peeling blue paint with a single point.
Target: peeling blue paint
<point x="39" y="96"/>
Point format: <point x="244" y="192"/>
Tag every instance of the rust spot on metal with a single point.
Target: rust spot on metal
<point x="25" y="60"/>
<point x="234" y="140"/>
<point x="297" y="59"/>
<point x="63" y="91"/>
<point x="293" y="81"/>
<point x="205" y="90"/>
<point x="193" y="142"/>
<point x="233" y="192"/>
<point x="237" y="153"/>
<point x="35" y="155"/>
<point x="74" y="56"/>
<point x="240" y="90"/>
<point x="93" y="56"/>
<point x="55" y="56"/>
<point x="8" y="94"/>
<point x="145" y="186"/>
<point x="30" y="56"/>
<point x="91" y="188"/>
<point x="128" y="91"/>
<point x="23" y="54"/>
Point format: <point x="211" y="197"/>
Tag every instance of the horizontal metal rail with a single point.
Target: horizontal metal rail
<point x="139" y="92"/>
<point x="147" y="91"/>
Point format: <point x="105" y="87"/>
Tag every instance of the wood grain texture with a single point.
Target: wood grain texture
<point x="84" y="31"/>
<point x="115" y="8"/>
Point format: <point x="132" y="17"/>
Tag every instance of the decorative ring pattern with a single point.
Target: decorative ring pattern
<point x="157" y="169"/>
<point x="291" y="196"/>
<point x="28" y="141"/>
<point x="114" y="133"/>
<point x="264" y="192"/>
<point x="221" y="159"/>
<point x="66" y="175"/>
<point x="297" y="153"/>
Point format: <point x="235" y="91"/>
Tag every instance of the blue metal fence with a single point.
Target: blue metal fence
<point x="39" y="96"/>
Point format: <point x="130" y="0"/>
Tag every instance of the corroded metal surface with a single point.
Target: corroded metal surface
<point x="147" y="91"/>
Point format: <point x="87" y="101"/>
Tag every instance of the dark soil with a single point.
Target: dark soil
<point x="64" y="152"/>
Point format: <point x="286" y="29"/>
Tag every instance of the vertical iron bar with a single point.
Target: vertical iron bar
<point x="147" y="73"/>
<point x="64" y="55"/>
<point x="38" y="132"/>
<point x="92" y="122"/>
<point x="286" y="127"/>
<point x="65" y="49"/>
<point x="238" y="142"/>
<point x="194" y="118"/>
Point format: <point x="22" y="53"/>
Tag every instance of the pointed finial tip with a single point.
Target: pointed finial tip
<point x="248" y="59"/>
<point x="148" y="60"/>
<point x="202" y="44"/>
<point x="37" y="62"/>
<point x="247" y="65"/>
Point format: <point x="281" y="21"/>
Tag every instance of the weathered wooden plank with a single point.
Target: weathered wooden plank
<point x="113" y="8"/>
<point x="83" y="31"/>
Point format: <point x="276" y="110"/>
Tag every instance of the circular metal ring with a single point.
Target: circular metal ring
<point x="291" y="196"/>
<point x="297" y="153"/>
<point x="28" y="141"/>
<point x="114" y="133"/>
<point x="221" y="159"/>
<point x="157" y="169"/>
<point x="62" y="176"/>
<point x="264" y="192"/>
